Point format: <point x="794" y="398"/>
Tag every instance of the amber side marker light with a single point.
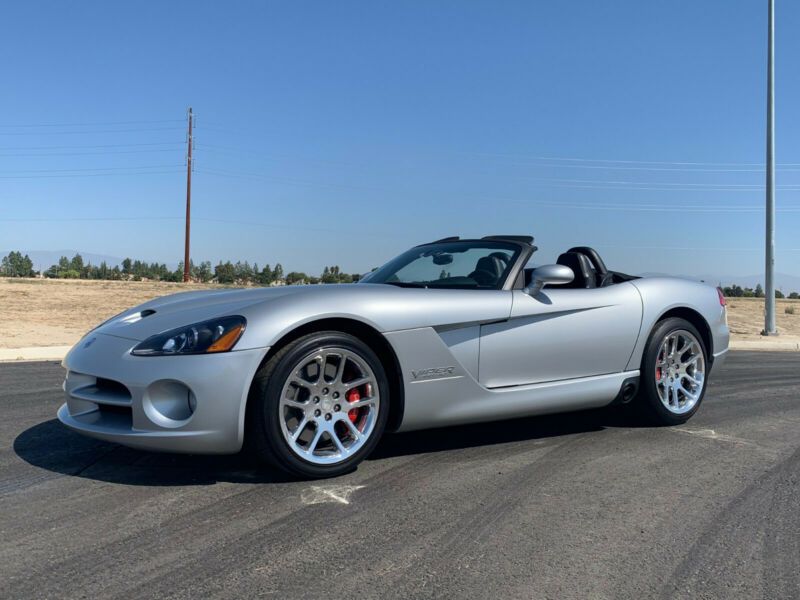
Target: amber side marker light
<point x="227" y="341"/>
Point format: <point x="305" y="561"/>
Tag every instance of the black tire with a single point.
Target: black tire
<point x="648" y="402"/>
<point x="264" y="435"/>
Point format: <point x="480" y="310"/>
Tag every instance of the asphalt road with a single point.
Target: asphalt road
<point x="579" y="505"/>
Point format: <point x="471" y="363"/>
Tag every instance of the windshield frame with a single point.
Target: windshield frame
<point x="521" y="252"/>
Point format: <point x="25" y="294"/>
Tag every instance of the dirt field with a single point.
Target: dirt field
<point x="57" y="312"/>
<point x="45" y="312"/>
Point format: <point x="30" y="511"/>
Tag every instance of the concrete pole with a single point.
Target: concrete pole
<point x="769" y="291"/>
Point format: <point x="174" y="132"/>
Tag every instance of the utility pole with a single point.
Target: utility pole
<point x="769" y="313"/>
<point x="188" y="200"/>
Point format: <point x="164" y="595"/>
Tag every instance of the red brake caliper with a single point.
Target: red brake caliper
<point x="353" y="396"/>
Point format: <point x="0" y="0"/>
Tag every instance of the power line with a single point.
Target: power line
<point x="245" y="175"/>
<point x="655" y="208"/>
<point x="69" y="219"/>
<point x="96" y="153"/>
<point x="637" y="162"/>
<point x="674" y="169"/>
<point x="657" y="189"/>
<point x="224" y="129"/>
<point x="273" y="225"/>
<point x="64" y="147"/>
<point x="92" y="131"/>
<point x="87" y="175"/>
<point x="92" y="169"/>
<point x="93" y="124"/>
<point x="216" y="148"/>
<point x="657" y="183"/>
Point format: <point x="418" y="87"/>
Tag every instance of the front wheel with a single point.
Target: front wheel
<point x="319" y="406"/>
<point x="673" y="373"/>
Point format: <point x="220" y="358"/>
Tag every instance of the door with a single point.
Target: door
<point x="561" y="334"/>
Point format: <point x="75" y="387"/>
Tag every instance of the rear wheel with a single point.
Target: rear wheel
<point x="673" y="373"/>
<point x="319" y="406"/>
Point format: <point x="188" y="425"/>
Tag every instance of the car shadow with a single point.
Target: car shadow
<point x="503" y="432"/>
<point x="53" y="447"/>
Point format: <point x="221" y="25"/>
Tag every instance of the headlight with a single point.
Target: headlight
<point x="208" y="337"/>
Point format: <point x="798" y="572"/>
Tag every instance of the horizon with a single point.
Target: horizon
<point x="785" y="282"/>
<point x="345" y="134"/>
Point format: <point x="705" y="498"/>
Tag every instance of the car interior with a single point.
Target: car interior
<point x="490" y="269"/>
<point x="589" y="269"/>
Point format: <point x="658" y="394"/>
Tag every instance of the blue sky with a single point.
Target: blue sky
<point x="344" y="132"/>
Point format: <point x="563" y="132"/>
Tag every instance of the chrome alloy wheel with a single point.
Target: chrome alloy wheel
<point x="329" y="406"/>
<point x="680" y="371"/>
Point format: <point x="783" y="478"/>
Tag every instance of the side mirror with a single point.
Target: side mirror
<point x="551" y="274"/>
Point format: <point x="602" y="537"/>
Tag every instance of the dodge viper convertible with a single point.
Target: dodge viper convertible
<point x="450" y="332"/>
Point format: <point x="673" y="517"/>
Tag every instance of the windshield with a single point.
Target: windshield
<point x="462" y="265"/>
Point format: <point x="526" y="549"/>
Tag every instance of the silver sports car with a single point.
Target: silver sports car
<point x="450" y="332"/>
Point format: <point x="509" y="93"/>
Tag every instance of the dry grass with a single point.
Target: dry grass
<point x="57" y="312"/>
<point x="746" y="318"/>
<point x="45" y="312"/>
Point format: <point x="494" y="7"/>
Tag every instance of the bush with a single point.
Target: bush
<point x="789" y="310"/>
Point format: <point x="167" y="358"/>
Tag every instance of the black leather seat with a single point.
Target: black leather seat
<point x="488" y="270"/>
<point x="585" y="274"/>
<point x="603" y="276"/>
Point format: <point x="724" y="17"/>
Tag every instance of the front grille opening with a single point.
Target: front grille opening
<point x="109" y="386"/>
<point x="114" y="409"/>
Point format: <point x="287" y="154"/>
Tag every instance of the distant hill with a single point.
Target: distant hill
<point x="42" y="259"/>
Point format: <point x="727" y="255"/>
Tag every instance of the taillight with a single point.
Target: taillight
<point x="722" y="300"/>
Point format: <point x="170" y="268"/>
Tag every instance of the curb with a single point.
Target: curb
<point x="770" y="345"/>
<point x="34" y="353"/>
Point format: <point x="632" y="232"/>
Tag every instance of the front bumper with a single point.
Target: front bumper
<point x="191" y="404"/>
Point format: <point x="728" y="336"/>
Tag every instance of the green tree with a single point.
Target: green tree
<point x="265" y="277"/>
<point x="794" y="296"/>
<point x="17" y="265"/>
<point x="244" y="272"/>
<point x="204" y="272"/>
<point x="225" y="273"/>
<point x="76" y="264"/>
<point x="759" y="293"/>
<point x="277" y="273"/>
<point x="294" y="278"/>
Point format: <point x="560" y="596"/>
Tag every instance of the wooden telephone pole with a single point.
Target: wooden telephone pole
<point x="188" y="200"/>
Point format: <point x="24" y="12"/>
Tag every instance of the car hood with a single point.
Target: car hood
<point x="178" y="310"/>
<point x="271" y="312"/>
